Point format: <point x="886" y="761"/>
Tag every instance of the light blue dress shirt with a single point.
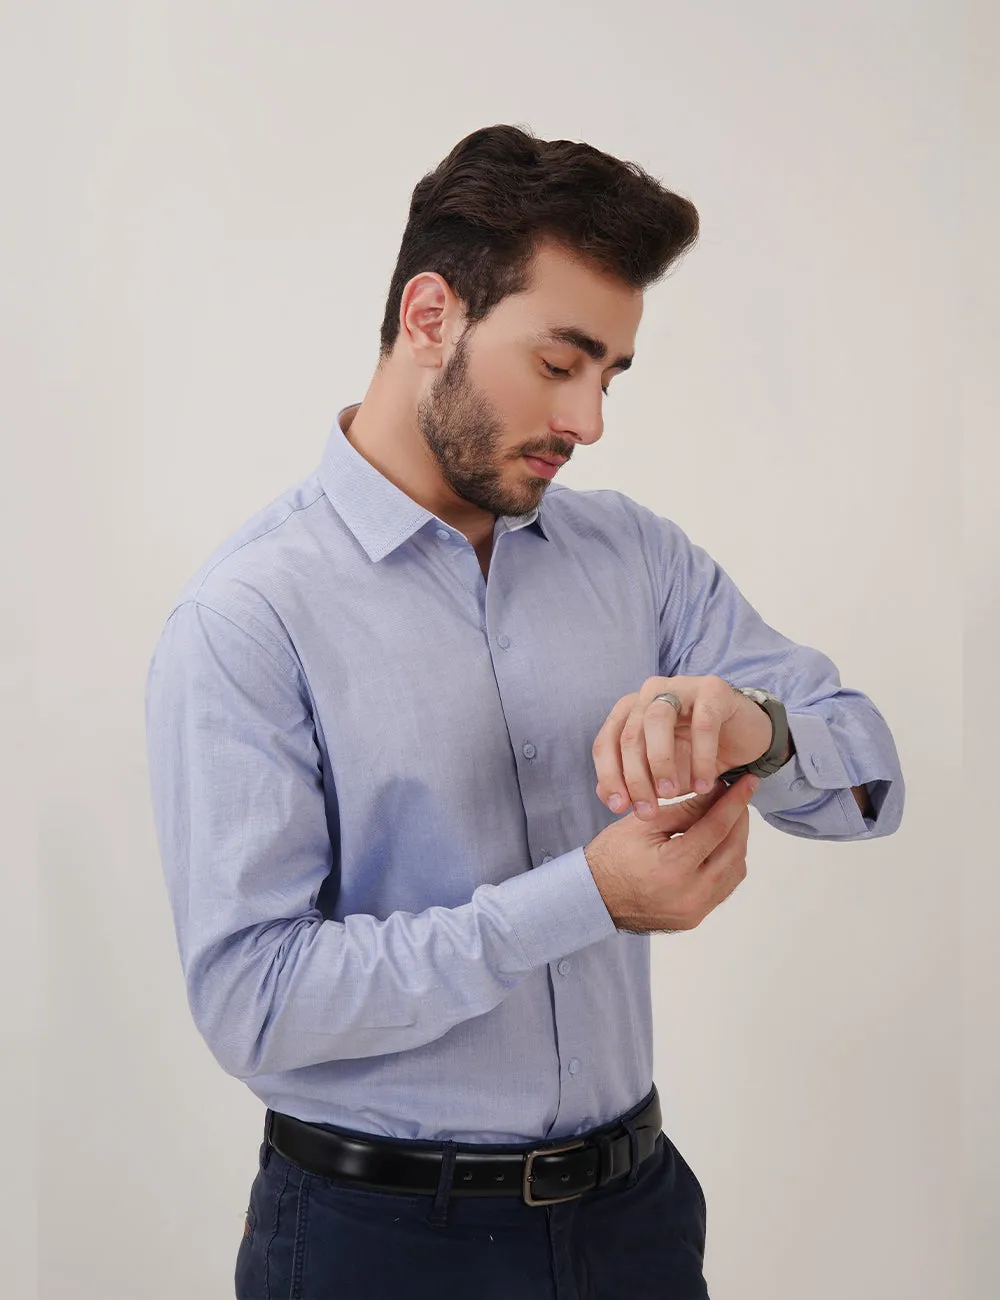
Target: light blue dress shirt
<point x="372" y="781"/>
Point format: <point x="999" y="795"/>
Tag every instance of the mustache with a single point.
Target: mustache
<point x="554" y="453"/>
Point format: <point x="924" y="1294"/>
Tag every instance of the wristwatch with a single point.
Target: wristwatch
<point x="770" y="761"/>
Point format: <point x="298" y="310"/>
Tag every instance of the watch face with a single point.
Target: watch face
<point x="756" y="693"/>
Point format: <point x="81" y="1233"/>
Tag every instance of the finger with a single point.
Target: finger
<point x="659" y="722"/>
<point x="607" y="755"/>
<point x="678" y="818"/>
<point x="710" y="830"/>
<point x="706" y="725"/>
<point x="635" y="765"/>
<point x="726" y="867"/>
<point x="728" y="883"/>
<point x="719" y="862"/>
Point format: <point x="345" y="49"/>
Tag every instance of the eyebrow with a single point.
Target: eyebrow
<point x="584" y="342"/>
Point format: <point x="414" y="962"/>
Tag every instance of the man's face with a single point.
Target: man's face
<point x="496" y="401"/>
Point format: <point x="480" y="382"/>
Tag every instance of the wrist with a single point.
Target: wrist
<point x="774" y="745"/>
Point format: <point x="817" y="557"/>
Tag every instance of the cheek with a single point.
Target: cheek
<point x="518" y="406"/>
<point x="525" y="417"/>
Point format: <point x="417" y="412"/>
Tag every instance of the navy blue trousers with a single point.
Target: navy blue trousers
<point x="311" y="1238"/>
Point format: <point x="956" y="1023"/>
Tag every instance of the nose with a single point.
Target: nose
<point x="580" y="419"/>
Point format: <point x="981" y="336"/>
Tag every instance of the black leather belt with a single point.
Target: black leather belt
<point x="542" y="1175"/>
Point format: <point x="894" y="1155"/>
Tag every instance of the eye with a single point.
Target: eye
<point x="557" y="371"/>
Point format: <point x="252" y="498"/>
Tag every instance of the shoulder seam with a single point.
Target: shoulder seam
<point x="256" y="538"/>
<point x="292" y="676"/>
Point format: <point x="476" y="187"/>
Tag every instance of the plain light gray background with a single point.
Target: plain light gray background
<point x="214" y="196"/>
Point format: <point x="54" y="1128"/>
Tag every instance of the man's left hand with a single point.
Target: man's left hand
<point x="646" y="741"/>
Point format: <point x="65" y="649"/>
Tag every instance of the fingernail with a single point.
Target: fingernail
<point x="664" y="788"/>
<point x="643" y="809"/>
<point x="754" y="782"/>
<point x="615" y="802"/>
<point x="702" y="786"/>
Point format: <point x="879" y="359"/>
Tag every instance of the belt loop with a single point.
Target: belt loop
<point x="604" y="1158"/>
<point x="438" y="1217"/>
<point x="265" y="1150"/>
<point x="633" y="1146"/>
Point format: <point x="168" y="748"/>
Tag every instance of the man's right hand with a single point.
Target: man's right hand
<point x="668" y="872"/>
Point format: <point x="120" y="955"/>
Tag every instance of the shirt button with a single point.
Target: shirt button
<point x="529" y="751"/>
<point x="563" y="967"/>
<point x="443" y="534"/>
<point x="815" y="761"/>
<point x="574" y="1066"/>
<point x="547" y="858"/>
<point x="798" y="783"/>
<point x="503" y="640"/>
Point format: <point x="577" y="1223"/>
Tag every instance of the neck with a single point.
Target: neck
<point x="383" y="429"/>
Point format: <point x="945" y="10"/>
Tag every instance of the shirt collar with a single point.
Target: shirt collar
<point x="379" y="514"/>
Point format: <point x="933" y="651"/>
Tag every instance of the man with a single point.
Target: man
<point x="408" y="918"/>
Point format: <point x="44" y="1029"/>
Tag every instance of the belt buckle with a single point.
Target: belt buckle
<point x="528" y="1175"/>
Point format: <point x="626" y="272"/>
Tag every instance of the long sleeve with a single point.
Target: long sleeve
<point x="241" y="813"/>
<point x="708" y="628"/>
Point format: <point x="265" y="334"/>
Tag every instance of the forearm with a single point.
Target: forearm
<point x="300" y="992"/>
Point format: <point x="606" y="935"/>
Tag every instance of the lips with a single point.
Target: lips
<point x="543" y="466"/>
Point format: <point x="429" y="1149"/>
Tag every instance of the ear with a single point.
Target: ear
<point x="430" y="317"/>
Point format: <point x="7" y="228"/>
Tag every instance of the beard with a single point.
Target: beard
<point x="464" y="434"/>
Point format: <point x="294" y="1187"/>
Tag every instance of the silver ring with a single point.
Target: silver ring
<point x="671" y="698"/>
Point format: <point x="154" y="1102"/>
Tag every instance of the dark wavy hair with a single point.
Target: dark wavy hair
<point x="479" y="216"/>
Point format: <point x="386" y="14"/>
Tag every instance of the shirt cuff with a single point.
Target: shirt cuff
<point x="814" y="768"/>
<point x="556" y="908"/>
